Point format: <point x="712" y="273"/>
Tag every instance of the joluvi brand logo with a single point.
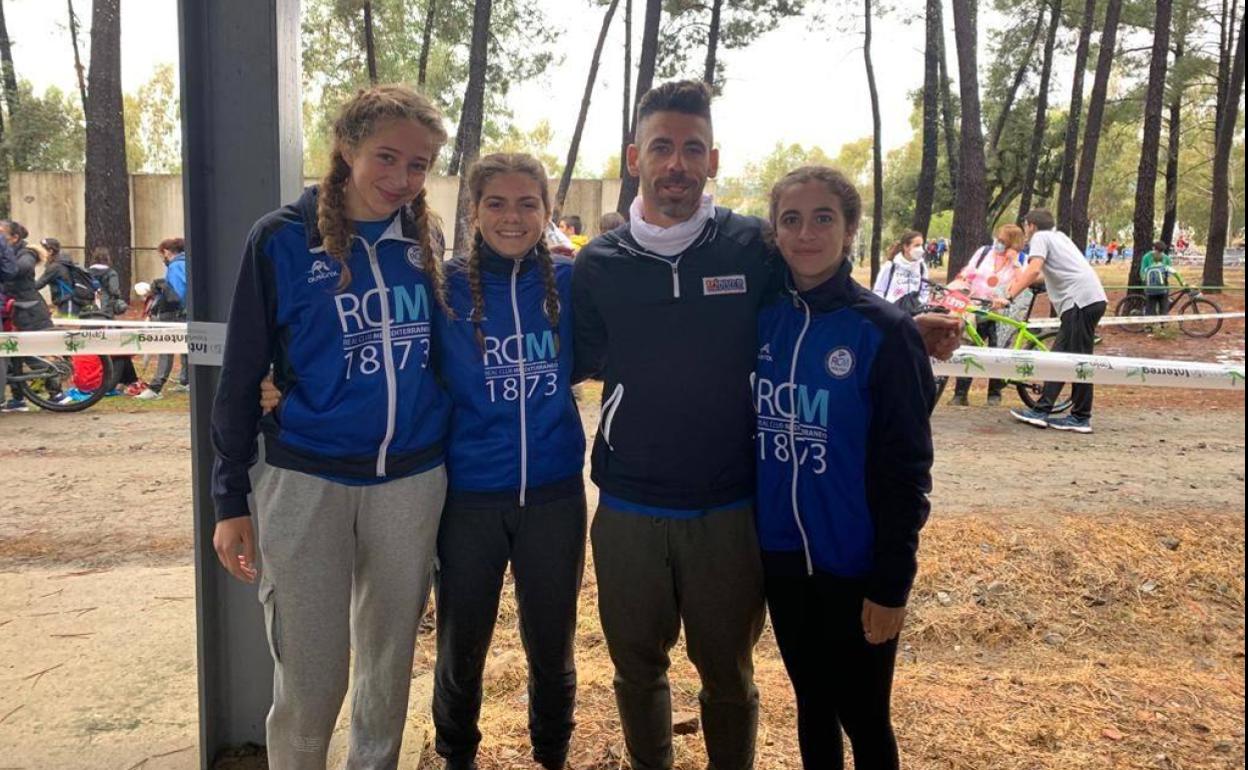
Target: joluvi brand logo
<point x="723" y="284"/>
<point x="840" y="363"/>
<point x="321" y="271"/>
<point x="764" y="353"/>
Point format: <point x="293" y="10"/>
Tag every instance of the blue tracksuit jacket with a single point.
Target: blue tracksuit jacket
<point x="359" y="398"/>
<point x="502" y="445"/>
<point x="843" y="378"/>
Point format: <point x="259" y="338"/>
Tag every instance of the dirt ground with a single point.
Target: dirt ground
<point x="1080" y="602"/>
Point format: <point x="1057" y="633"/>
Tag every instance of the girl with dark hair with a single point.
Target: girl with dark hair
<point x="516" y="450"/>
<point x="843" y="390"/>
<point x="334" y="297"/>
<point x="901" y="280"/>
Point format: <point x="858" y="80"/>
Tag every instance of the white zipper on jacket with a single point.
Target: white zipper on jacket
<point x="387" y="356"/>
<point x="711" y="231"/>
<point x="524" y="387"/>
<point x="797" y="466"/>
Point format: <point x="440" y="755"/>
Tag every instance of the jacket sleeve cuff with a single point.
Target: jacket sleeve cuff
<point x="889" y="593"/>
<point x="231" y="507"/>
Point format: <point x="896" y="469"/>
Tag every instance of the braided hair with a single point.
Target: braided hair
<point x="357" y="120"/>
<point x="479" y="175"/>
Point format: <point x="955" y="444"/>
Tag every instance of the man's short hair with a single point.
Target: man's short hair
<point x="691" y="97"/>
<point x="610" y="220"/>
<point x="573" y="221"/>
<point x="1041" y="219"/>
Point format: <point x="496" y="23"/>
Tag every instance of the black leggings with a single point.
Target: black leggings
<point x="840" y="680"/>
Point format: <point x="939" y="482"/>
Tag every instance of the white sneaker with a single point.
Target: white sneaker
<point x="180" y="388"/>
<point x="149" y="395"/>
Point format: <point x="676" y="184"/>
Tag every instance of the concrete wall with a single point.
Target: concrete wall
<point x="51" y="204"/>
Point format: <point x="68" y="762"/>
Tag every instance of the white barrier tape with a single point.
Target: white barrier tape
<point x="1036" y="366"/>
<point x="109" y="342"/>
<point x="967" y="361"/>
<point x="110" y="323"/>
<point x="1124" y="320"/>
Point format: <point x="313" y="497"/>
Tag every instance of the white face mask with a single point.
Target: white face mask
<point x="998" y="247"/>
<point x="915" y="254"/>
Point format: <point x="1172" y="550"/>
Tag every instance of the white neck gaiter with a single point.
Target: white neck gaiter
<point x="669" y="241"/>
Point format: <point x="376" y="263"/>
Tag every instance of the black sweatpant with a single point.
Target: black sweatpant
<point x="840" y="680"/>
<point x="1077" y="335"/>
<point x="988" y="332"/>
<point x="545" y="545"/>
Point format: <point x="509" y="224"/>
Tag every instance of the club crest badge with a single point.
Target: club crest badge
<point x="840" y="363"/>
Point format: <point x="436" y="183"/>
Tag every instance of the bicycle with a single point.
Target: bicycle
<point x="1024" y="339"/>
<point x="1196" y="304"/>
<point x="43" y="379"/>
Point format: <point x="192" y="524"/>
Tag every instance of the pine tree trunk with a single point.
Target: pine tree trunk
<point x="1066" y="187"/>
<point x="1215" y="247"/>
<point x="468" y="137"/>
<point x="926" y="193"/>
<point x="877" y="152"/>
<point x="1143" y="221"/>
<point x="1012" y="94"/>
<point x="370" y="44"/>
<point x="423" y="67"/>
<point x="566" y="180"/>
<point x="946" y="102"/>
<point x="107" y="180"/>
<point x="10" y="94"/>
<point x="645" y="79"/>
<point x="626" y="127"/>
<point x="1174" y="123"/>
<point x="970" y="210"/>
<point x="1092" y="131"/>
<point x="73" y="36"/>
<point x="1042" y="110"/>
<point x="712" y="42"/>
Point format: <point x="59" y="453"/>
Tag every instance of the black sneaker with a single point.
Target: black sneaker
<point x="959" y="399"/>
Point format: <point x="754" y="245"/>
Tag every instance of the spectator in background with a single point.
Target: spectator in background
<point x="985" y="277"/>
<point x="902" y="280"/>
<point x="1155" y="274"/>
<point x="1111" y="251"/>
<point x="170" y="306"/>
<point x="574" y="228"/>
<point x="71" y="286"/>
<point x="941" y="247"/>
<point x="30" y="313"/>
<point x="1076" y="294"/>
<point x="610" y="220"/>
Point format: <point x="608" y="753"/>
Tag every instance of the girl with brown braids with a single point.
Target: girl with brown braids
<point x="514" y="461"/>
<point x="334" y="297"/>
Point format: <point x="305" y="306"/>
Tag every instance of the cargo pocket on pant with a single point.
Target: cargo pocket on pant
<point x="272" y="622"/>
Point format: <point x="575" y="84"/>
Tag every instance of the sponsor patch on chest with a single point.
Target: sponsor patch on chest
<point x="723" y="284"/>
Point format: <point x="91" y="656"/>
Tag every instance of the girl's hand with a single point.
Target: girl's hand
<point x="270" y="396"/>
<point x="235" y="543"/>
<point x="879" y="623"/>
<point x="941" y="332"/>
<point x="1000" y="303"/>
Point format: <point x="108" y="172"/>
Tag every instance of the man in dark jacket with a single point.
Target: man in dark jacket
<point x="666" y="313"/>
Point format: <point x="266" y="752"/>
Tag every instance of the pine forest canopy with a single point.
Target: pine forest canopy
<point x="47" y="131"/>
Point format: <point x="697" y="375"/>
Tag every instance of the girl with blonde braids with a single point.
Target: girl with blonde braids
<point x="334" y="296"/>
<point x="516" y="449"/>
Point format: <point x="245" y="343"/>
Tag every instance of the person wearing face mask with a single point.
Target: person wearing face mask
<point x="901" y="281"/>
<point x="986" y="277"/>
<point x="515" y="453"/>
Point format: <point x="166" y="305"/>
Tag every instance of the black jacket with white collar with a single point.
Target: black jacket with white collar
<point x="674" y="341"/>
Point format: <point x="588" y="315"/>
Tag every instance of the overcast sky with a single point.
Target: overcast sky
<point x="796" y="84"/>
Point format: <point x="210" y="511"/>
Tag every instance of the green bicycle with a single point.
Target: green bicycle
<point x="1186" y="301"/>
<point x="1024" y="339"/>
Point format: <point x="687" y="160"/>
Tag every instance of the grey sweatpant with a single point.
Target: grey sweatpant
<point x="343" y="568"/>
